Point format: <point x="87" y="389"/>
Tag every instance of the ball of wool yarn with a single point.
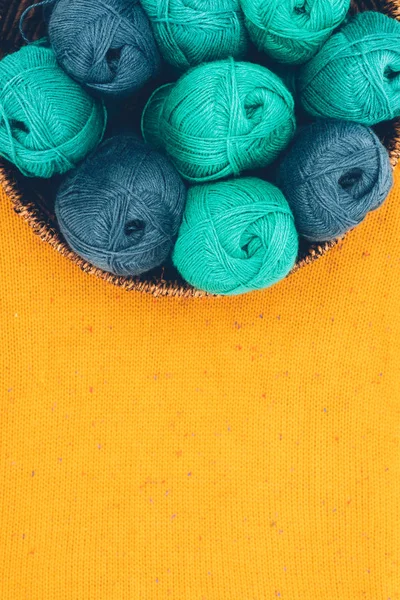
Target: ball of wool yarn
<point x="355" y="76"/>
<point x="190" y="32"/>
<point x="236" y="236"/>
<point x="334" y="173"/>
<point x="121" y="209"/>
<point x="220" y="119"/>
<point x="106" y="45"/>
<point x="48" y="123"/>
<point x="292" y="31"/>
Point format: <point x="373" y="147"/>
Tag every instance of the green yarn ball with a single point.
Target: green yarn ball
<point x="48" y="123"/>
<point x="236" y="236"/>
<point x="220" y="119"/>
<point x="356" y="75"/>
<point x="292" y="31"/>
<point x="189" y="32"/>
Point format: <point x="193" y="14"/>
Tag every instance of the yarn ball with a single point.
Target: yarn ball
<point x="106" y="45"/>
<point x="190" y="32"/>
<point x="334" y="173"/>
<point x="48" y="123"/>
<point x="220" y="119"/>
<point x="121" y="209"/>
<point x="292" y="31"/>
<point x="355" y="76"/>
<point x="236" y="236"/>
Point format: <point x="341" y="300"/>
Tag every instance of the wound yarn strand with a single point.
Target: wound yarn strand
<point x="356" y="73"/>
<point x="220" y="119"/>
<point x="105" y="45"/>
<point x="333" y="174"/>
<point x="291" y="31"/>
<point x="49" y="123"/>
<point x="236" y="236"/>
<point x="121" y="208"/>
<point x="25" y="13"/>
<point x="189" y="33"/>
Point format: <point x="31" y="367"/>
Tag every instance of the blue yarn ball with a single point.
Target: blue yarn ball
<point x="334" y="173"/>
<point x="106" y="45"/>
<point x="122" y="207"/>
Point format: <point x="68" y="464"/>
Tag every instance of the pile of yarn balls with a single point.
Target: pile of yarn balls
<point x="260" y="137"/>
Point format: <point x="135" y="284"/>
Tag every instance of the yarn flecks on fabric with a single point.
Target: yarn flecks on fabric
<point x="190" y="32"/>
<point x="236" y="236"/>
<point x="48" y="122"/>
<point x="292" y="31"/>
<point x="121" y="209"/>
<point x="106" y="45"/>
<point x="220" y="119"/>
<point x="334" y="173"/>
<point x="355" y="76"/>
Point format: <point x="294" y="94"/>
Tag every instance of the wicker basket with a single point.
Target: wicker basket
<point x="33" y="199"/>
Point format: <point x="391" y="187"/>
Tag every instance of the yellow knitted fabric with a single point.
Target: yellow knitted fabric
<point x="219" y="449"/>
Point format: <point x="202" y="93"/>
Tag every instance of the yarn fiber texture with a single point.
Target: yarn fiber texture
<point x="190" y="32"/>
<point x="292" y="31"/>
<point x="106" y="45"/>
<point x="220" y="119"/>
<point x="355" y="76"/>
<point x="121" y="209"/>
<point x="48" y="123"/>
<point x="334" y="173"/>
<point x="236" y="236"/>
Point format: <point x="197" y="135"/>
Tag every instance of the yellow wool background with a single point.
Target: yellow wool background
<point x="218" y="449"/>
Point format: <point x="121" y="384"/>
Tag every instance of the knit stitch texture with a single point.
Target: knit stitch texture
<point x="220" y="449"/>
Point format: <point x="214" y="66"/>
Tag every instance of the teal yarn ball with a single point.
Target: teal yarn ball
<point x="121" y="208"/>
<point x="220" y="119"/>
<point x="106" y="45"/>
<point x="236" y="236"/>
<point x="355" y="76"/>
<point x="292" y="31"/>
<point x="190" y="32"/>
<point x="48" y="123"/>
<point x="334" y="173"/>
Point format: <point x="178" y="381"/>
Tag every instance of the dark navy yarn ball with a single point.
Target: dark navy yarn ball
<point x="334" y="173"/>
<point x="122" y="207"/>
<point x="106" y="45"/>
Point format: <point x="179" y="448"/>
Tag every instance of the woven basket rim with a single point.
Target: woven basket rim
<point x="32" y="214"/>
